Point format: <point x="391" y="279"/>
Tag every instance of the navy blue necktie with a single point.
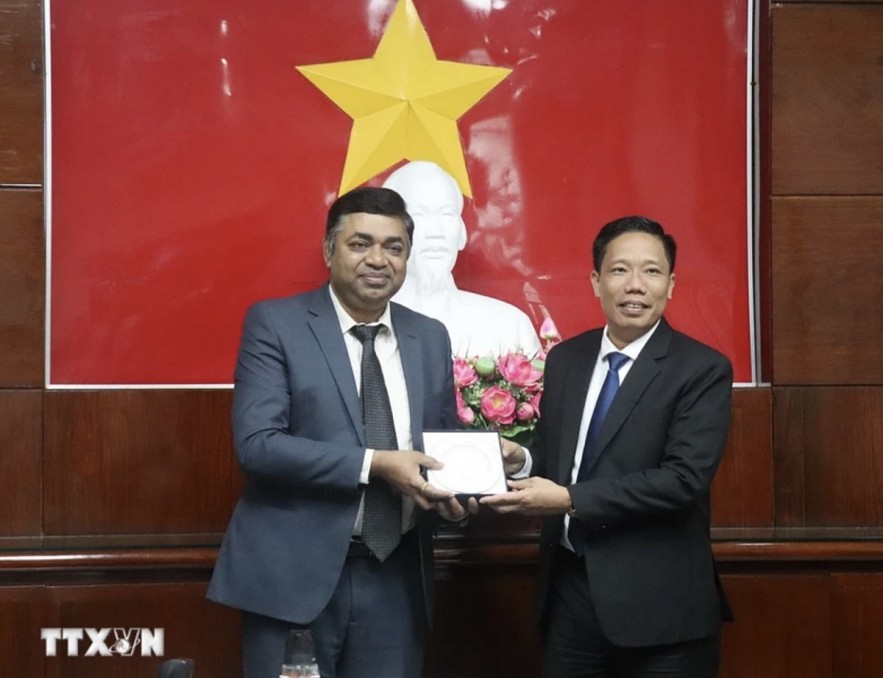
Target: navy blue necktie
<point x="590" y="450"/>
<point x="382" y="518"/>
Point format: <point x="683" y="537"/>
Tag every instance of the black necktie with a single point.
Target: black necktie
<point x="590" y="450"/>
<point x="382" y="517"/>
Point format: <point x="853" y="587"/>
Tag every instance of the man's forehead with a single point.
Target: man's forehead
<point x="647" y="244"/>
<point x="645" y="249"/>
<point x="371" y="226"/>
<point x="622" y="255"/>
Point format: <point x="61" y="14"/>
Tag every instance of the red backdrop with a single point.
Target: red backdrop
<point x="192" y="165"/>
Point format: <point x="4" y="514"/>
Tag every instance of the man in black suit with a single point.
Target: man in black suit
<point x="635" y="421"/>
<point x="295" y="553"/>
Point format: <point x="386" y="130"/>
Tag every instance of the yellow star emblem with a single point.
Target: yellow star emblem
<point x="404" y="102"/>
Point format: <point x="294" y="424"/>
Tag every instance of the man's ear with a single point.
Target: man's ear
<point x="671" y="285"/>
<point x="596" y="281"/>
<point x="327" y="251"/>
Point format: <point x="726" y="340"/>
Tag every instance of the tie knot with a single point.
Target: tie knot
<point x="365" y="333"/>
<point x="616" y="360"/>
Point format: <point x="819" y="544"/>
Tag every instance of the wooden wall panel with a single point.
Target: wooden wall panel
<point x="21" y="287"/>
<point x="827" y="290"/>
<point x="484" y="623"/>
<point x="21" y="81"/>
<point x="811" y="624"/>
<point x="828" y="451"/>
<point x="135" y="462"/>
<point x="856" y="622"/>
<point x="23" y="612"/>
<point x="827" y="99"/>
<point x="193" y="627"/>
<point x="742" y="493"/>
<point x="782" y="627"/>
<point x="761" y="194"/>
<point x="21" y="463"/>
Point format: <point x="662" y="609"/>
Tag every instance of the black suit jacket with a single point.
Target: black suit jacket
<point x="645" y="506"/>
<point x="299" y="439"/>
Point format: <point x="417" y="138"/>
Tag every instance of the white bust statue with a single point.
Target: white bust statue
<point x="478" y="325"/>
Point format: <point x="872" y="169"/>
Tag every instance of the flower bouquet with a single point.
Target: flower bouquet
<point x="503" y="393"/>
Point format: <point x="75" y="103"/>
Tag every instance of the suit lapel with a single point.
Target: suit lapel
<point x="642" y="373"/>
<point x="575" y="392"/>
<point x="325" y="327"/>
<point x="411" y="354"/>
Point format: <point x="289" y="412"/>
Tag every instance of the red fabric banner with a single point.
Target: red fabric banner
<point x="192" y="164"/>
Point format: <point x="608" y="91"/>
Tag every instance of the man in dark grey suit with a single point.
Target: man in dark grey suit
<point x="294" y="553"/>
<point x="635" y="421"/>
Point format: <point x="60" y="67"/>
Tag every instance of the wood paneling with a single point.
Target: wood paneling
<point x="127" y="431"/>
<point x="827" y="453"/>
<point x="21" y="463"/>
<point x="782" y="627"/>
<point x="806" y="547"/>
<point x="789" y="622"/>
<point x="23" y="612"/>
<point x="856" y="622"/>
<point x="21" y="81"/>
<point x="484" y="624"/>
<point x="134" y="462"/>
<point x="193" y="627"/>
<point x="742" y="493"/>
<point x="761" y="195"/>
<point x="827" y="290"/>
<point x="21" y="287"/>
<point x="102" y="564"/>
<point x="827" y="99"/>
<point x="795" y="623"/>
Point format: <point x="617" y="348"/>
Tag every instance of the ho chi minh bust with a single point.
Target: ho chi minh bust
<point x="478" y="324"/>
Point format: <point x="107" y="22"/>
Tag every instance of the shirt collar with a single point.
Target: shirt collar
<point x="633" y="349"/>
<point x="346" y="321"/>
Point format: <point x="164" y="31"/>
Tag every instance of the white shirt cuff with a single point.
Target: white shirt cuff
<point x="526" y="469"/>
<point x="364" y="476"/>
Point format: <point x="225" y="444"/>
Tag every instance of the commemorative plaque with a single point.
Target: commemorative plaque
<point x="473" y="462"/>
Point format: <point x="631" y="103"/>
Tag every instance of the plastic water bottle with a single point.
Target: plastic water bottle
<point x="300" y="656"/>
<point x="300" y="671"/>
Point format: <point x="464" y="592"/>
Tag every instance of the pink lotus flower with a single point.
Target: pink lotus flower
<point x="464" y="412"/>
<point x="498" y="405"/>
<point x="502" y="393"/>
<point x="524" y="412"/>
<point x="518" y="370"/>
<point x="535" y="402"/>
<point x="464" y="373"/>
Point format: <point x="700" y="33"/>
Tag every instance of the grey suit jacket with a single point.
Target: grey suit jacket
<point x="645" y="506"/>
<point x="299" y="440"/>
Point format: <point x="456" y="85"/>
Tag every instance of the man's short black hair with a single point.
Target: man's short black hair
<point x="633" y="224"/>
<point x="368" y="200"/>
